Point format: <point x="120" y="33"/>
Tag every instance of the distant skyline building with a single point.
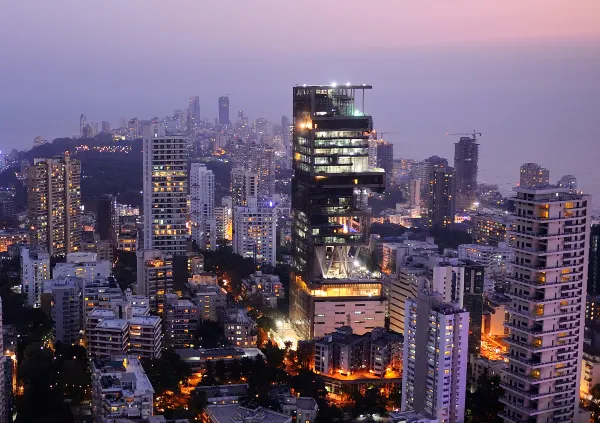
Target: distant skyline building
<point x="466" y="158"/>
<point x="434" y="379"/>
<point x="54" y="205"/>
<point x="194" y="109"/>
<point x="533" y="175"/>
<point x="165" y="191"/>
<point x="202" y="206"/>
<point x="381" y="155"/>
<point x="35" y="269"/>
<point x="568" y="181"/>
<point x="224" y="111"/>
<point x="330" y="211"/>
<point x="441" y="198"/>
<point x="105" y="127"/>
<point x="82" y="124"/>
<point x="547" y="288"/>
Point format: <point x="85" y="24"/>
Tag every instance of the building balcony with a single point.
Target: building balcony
<point x="542" y="235"/>
<point x="535" y="348"/>
<point x="530" y="411"/>
<point x="538" y="365"/>
<point x="536" y="331"/>
<point x="531" y="395"/>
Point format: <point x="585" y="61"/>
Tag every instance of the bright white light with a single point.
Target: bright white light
<point x="347" y="84"/>
<point x="334" y="85"/>
<point x="356" y="263"/>
<point x="476" y="204"/>
<point x="304" y="85"/>
<point x="279" y="323"/>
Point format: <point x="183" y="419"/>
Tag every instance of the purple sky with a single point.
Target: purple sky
<point x="525" y="73"/>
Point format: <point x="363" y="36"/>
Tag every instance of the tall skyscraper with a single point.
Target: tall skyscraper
<point x="54" y="205"/>
<point x="466" y="156"/>
<point x="194" y="109"/>
<point x="106" y="218"/>
<point x="105" y="126"/>
<point x="202" y="206"/>
<point x="550" y="238"/>
<point x="224" y="110"/>
<point x="82" y="124"/>
<point x="533" y="175"/>
<point x="434" y="379"/>
<point x="165" y="191"/>
<point x="329" y="209"/>
<point x="266" y="171"/>
<point x="441" y="197"/>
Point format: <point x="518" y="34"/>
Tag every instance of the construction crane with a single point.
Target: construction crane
<point x="383" y="133"/>
<point x="473" y="135"/>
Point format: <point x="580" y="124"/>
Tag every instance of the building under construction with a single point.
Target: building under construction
<point x="330" y="211"/>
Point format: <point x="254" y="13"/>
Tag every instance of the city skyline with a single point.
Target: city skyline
<point x="519" y="76"/>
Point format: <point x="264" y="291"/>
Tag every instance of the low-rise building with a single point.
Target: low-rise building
<point x="489" y="229"/>
<point x="483" y="367"/>
<point x="83" y="265"/>
<point x="210" y="300"/>
<point x="197" y="358"/>
<point x="410" y="417"/>
<point x="304" y="409"/>
<point x="266" y="286"/>
<point x="240" y="329"/>
<point x="224" y="394"/>
<point x="120" y="389"/>
<point x="590" y="372"/>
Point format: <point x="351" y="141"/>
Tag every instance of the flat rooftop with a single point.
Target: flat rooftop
<point x="236" y="413"/>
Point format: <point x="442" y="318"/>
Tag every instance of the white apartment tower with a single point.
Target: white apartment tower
<point x="434" y="381"/>
<point x="35" y="269"/>
<point x="165" y="191"/>
<point x="254" y="231"/>
<point x="550" y="237"/>
<point x="202" y="206"/>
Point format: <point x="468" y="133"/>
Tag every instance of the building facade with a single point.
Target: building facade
<point x="35" y="269"/>
<point x="202" y="206"/>
<point x="533" y="175"/>
<point x="154" y="277"/>
<point x="254" y="231"/>
<point x="441" y="203"/>
<point x="329" y="203"/>
<point x="165" y="191"/>
<point x="466" y="157"/>
<point x="434" y="381"/>
<point x="54" y="205"/>
<point x="550" y="238"/>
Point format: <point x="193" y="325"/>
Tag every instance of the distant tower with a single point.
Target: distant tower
<point x="105" y="126"/>
<point x="466" y="155"/>
<point x="224" y="110"/>
<point x="194" y="112"/>
<point x="82" y="124"/>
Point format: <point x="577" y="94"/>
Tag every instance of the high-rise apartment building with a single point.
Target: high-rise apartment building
<point x="404" y="286"/>
<point x="181" y="320"/>
<point x="54" y="204"/>
<point x="202" y="206"/>
<point x="489" y="229"/>
<point x="224" y="219"/>
<point x="266" y="173"/>
<point x="434" y="379"/>
<point x="441" y="198"/>
<point x="154" y="277"/>
<point x="106" y="218"/>
<point x="66" y="309"/>
<point x="466" y="156"/>
<point x="35" y="269"/>
<point x="330" y="211"/>
<point x="550" y="237"/>
<point x="425" y="169"/>
<point x="165" y="191"/>
<point x="244" y="186"/>
<point x="224" y="110"/>
<point x="533" y="175"/>
<point x="254" y="232"/>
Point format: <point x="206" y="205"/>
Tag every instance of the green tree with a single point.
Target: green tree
<point x="483" y="405"/>
<point x="166" y="372"/>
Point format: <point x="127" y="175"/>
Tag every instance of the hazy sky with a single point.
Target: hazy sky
<point x="523" y="72"/>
